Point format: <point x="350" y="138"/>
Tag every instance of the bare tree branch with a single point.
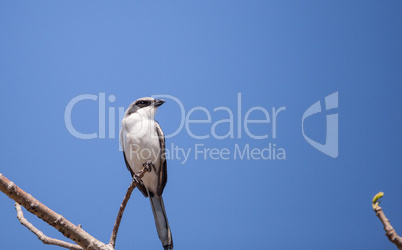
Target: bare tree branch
<point x="136" y="178"/>
<point x="389" y="230"/>
<point x="68" y="229"/>
<point x="41" y="236"/>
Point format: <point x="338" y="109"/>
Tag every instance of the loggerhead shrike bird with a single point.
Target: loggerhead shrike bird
<point x="143" y="144"/>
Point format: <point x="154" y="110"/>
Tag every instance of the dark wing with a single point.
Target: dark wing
<point x="162" y="175"/>
<point x="139" y="185"/>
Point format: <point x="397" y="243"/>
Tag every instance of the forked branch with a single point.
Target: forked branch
<point x="68" y="229"/>
<point x="41" y="236"/>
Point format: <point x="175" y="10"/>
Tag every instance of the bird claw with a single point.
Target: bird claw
<point x="137" y="178"/>
<point x="147" y="165"/>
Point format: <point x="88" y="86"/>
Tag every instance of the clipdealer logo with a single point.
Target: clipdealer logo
<point x="330" y="147"/>
<point x="237" y="117"/>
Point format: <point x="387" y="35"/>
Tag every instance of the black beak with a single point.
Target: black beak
<point x="158" y="102"/>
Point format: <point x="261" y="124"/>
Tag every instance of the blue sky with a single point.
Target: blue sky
<point x="206" y="54"/>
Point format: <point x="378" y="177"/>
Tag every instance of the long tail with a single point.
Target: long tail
<point x="161" y="222"/>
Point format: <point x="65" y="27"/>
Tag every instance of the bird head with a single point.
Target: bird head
<point x="145" y="107"/>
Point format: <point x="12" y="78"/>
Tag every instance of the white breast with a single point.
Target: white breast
<point x="140" y="144"/>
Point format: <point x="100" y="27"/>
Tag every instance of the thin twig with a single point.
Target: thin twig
<point x="41" y="236"/>
<point x="133" y="184"/>
<point x="116" y="226"/>
<point x="389" y="230"/>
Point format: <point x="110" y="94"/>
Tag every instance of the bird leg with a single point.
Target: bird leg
<point x="147" y="166"/>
